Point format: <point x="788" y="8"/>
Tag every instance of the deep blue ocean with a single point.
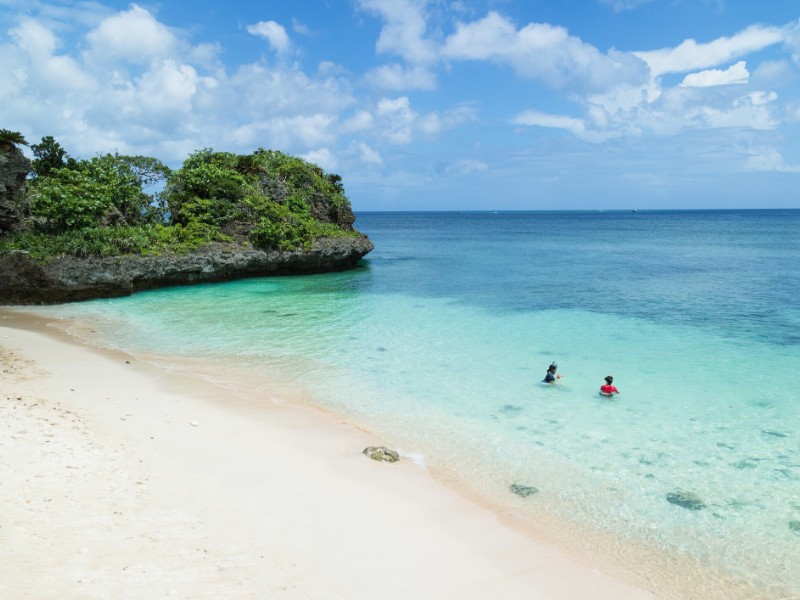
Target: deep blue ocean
<point x="439" y="341"/>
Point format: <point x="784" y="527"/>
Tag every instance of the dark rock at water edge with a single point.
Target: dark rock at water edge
<point x="67" y="279"/>
<point x="688" y="500"/>
<point x="381" y="453"/>
<point x="523" y="490"/>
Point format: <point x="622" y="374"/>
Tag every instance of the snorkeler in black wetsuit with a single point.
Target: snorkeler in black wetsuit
<point x="550" y="376"/>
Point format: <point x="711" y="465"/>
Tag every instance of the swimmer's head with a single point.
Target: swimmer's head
<point x="552" y="367"/>
<point x="609" y="379"/>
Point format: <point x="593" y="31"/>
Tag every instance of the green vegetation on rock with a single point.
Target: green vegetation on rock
<point x="115" y="204"/>
<point x="9" y="140"/>
<point x="282" y="201"/>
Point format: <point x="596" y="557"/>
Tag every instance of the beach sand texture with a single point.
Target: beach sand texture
<point x="122" y="481"/>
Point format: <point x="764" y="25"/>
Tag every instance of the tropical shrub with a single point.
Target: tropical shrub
<point x="206" y="189"/>
<point x="69" y="200"/>
<point x="152" y="239"/>
<point x="117" y="204"/>
<point x="285" y="226"/>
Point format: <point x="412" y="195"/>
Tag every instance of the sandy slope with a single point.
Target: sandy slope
<point x="120" y="481"/>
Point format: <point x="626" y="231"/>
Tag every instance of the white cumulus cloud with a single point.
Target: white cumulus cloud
<point x="542" y="51"/>
<point x="169" y="88"/>
<point x="273" y="32"/>
<point x="361" y="121"/>
<point x="130" y="83"/>
<point x="38" y="61"/>
<point x="736" y="74"/>
<point x="404" y="29"/>
<point x="133" y="35"/>
<point x="322" y="157"/>
<point x="288" y="131"/>
<point x="366" y="153"/>
<point x="690" y="55"/>
<point x="396" y="119"/>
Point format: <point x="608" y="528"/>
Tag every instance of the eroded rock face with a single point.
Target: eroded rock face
<point x="67" y="279"/>
<point x="14" y="169"/>
<point x="324" y="211"/>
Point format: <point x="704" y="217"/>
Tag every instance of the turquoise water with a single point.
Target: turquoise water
<point x="439" y="340"/>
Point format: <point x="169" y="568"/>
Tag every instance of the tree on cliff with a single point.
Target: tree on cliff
<point x="9" y="140"/>
<point x="50" y="155"/>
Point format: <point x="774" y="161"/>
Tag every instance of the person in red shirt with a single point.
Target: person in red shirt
<point x="608" y="389"/>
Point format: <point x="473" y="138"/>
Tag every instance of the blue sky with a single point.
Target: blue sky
<point x="432" y="104"/>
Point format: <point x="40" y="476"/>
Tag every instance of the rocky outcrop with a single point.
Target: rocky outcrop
<point x="14" y="169"/>
<point x="66" y="279"/>
<point x="326" y="212"/>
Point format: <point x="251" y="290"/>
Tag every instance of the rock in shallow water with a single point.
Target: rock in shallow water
<point x="523" y="490"/>
<point x="777" y="434"/>
<point x="381" y="453"/>
<point x="688" y="500"/>
<point x="795" y="526"/>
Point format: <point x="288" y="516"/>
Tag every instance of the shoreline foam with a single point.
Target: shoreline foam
<point x="123" y="480"/>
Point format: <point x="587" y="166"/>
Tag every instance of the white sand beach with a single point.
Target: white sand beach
<point x="120" y="480"/>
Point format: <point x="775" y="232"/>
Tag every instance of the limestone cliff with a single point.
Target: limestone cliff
<point x="14" y="168"/>
<point x="66" y="279"/>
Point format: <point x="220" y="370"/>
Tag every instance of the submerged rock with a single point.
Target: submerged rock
<point x="778" y="434"/>
<point x="688" y="500"/>
<point x="381" y="453"/>
<point x="745" y="463"/>
<point x="795" y="526"/>
<point x="520" y="489"/>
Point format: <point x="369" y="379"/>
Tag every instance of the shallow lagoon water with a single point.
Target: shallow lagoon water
<point x="439" y="341"/>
